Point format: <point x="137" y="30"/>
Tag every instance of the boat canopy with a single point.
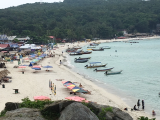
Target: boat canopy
<point x="94" y="62"/>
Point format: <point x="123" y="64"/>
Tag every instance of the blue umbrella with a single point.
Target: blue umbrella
<point x="36" y="68"/>
<point x="24" y="65"/>
<point x="76" y="88"/>
<point x="47" y="66"/>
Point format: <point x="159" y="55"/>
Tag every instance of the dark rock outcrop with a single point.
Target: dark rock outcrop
<point x="77" y="111"/>
<point x="23" y="114"/>
<point x="11" y="106"/>
<point x="116" y="113"/>
<point x="57" y="106"/>
<point x="65" y="110"/>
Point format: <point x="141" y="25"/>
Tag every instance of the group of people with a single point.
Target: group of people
<point x="138" y="105"/>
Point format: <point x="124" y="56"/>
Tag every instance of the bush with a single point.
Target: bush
<point x="34" y="104"/>
<point x="101" y="115"/>
<point x="3" y="112"/>
<point x="145" y="118"/>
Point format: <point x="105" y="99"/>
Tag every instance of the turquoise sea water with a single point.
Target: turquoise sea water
<point x="140" y="78"/>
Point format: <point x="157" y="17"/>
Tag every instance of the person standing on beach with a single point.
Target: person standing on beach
<point x="143" y="104"/>
<point x="60" y="62"/>
<point x="138" y="103"/>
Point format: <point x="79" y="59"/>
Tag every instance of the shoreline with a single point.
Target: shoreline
<point x="35" y="84"/>
<point x="115" y="98"/>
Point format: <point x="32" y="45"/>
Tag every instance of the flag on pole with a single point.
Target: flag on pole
<point x="51" y="85"/>
<point x="55" y="90"/>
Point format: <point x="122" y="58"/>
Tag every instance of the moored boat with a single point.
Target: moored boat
<point x="86" y="52"/>
<point x="106" y="47"/>
<point x="108" y="69"/>
<point x="112" y="73"/>
<point x="80" y="61"/>
<point x="100" y="49"/>
<point x="82" y="58"/>
<point x="77" y="47"/>
<point x="95" y="65"/>
<point x="91" y="47"/>
<point x="75" y="53"/>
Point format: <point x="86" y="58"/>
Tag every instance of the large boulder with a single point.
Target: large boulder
<point x="77" y="111"/>
<point x="53" y="110"/>
<point x="57" y="106"/>
<point x="116" y="113"/>
<point x="121" y="114"/>
<point x="23" y="114"/>
<point x="11" y="106"/>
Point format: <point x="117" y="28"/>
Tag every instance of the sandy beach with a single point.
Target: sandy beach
<point x="35" y="84"/>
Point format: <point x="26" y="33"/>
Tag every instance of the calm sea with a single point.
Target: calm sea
<point x="140" y="78"/>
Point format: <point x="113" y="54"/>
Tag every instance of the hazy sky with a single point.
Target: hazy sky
<point x="10" y="3"/>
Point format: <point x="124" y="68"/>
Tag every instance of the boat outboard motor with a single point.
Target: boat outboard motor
<point x="95" y="70"/>
<point x="86" y="66"/>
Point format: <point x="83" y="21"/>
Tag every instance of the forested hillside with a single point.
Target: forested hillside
<point x="77" y="19"/>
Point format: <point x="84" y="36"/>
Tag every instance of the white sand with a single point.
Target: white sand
<point x="36" y="84"/>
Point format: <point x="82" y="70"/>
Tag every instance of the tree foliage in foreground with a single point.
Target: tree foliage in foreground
<point x="78" y="19"/>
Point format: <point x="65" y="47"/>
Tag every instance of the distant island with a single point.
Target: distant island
<point x="79" y="19"/>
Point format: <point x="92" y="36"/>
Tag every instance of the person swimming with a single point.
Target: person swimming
<point x="153" y="113"/>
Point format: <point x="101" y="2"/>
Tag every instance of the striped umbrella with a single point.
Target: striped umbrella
<point x="79" y="90"/>
<point x="71" y="86"/>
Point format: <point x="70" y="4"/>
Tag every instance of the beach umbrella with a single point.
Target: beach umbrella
<point x="76" y="98"/>
<point x="64" y="82"/>
<point x="48" y="66"/>
<point x="41" y="98"/>
<point x="35" y="60"/>
<point x="26" y="58"/>
<point x="70" y="87"/>
<point x="36" y="69"/>
<point x="22" y="67"/>
<point x="76" y="87"/>
<point x="68" y="84"/>
<point x="36" y="66"/>
<point x="79" y="90"/>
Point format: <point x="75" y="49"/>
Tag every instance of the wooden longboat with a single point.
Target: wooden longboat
<point x="91" y="47"/>
<point x="113" y="73"/>
<point x="80" y="61"/>
<point x="101" y="49"/>
<point x="86" y="52"/>
<point x="93" y="65"/>
<point x="106" y="47"/>
<point x="108" y="69"/>
<point x="82" y="58"/>
<point x="75" y="54"/>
